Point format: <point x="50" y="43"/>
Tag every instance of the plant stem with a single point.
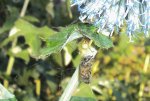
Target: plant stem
<point x="142" y="85"/>
<point x="74" y="82"/>
<point x="38" y="87"/>
<point x="11" y="60"/>
<point x="9" y="69"/>
<point x="10" y="65"/>
<point x="24" y="8"/>
<point x="69" y="8"/>
<point x="71" y="87"/>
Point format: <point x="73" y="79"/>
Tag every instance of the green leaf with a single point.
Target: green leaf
<point x="7" y="40"/>
<point x="100" y="40"/>
<point x="24" y="78"/>
<point x="26" y="27"/>
<point x="13" y="15"/>
<point x="34" y="43"/>
<point x="32" y="34"/>
<point x="58" y="41"/>
<point x="7" y="25"/>
<point x="19" y="53"/>
<point x="76" y="98"/>
<point x="54" y="44"/>
<point x="52" y="85"/>
<point x="11" y="99"/>
<point x="5" y="95"/>
<point x="31" y="19"/>
<point x="23" y="55"/>
<point x="45" y="32"/>
<point x="83" y="93"/>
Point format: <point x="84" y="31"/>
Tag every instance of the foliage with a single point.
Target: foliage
<point x="5" y="95"/>
<point x="39" y="75"/>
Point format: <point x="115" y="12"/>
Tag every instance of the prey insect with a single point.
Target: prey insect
<point x="85" y="69"/>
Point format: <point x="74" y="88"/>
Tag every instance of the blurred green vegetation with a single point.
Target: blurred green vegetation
<point x="120" y="73"/>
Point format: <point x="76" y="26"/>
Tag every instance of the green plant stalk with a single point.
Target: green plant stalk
<point x="71" y="87"/>
<point x="10" y="65"/>
<point x="69" y="8"/>
<point x="142" y="85"/>
<point x="9" y="69"/>
<point x="74" y="82"/>
<point x="11" y="60"/>
<point x="24" y="8"/>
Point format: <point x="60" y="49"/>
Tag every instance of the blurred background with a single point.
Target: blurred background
<point x="120" y="73"/>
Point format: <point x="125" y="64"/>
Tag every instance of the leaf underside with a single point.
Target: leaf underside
<point x="57" y="42"/>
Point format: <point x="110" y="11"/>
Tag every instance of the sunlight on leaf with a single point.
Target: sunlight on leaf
<point x="83" y="93"/>
<point x="58" y="41"/>
<point x="100" y="40"/>
<point x="5" y="95"/>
